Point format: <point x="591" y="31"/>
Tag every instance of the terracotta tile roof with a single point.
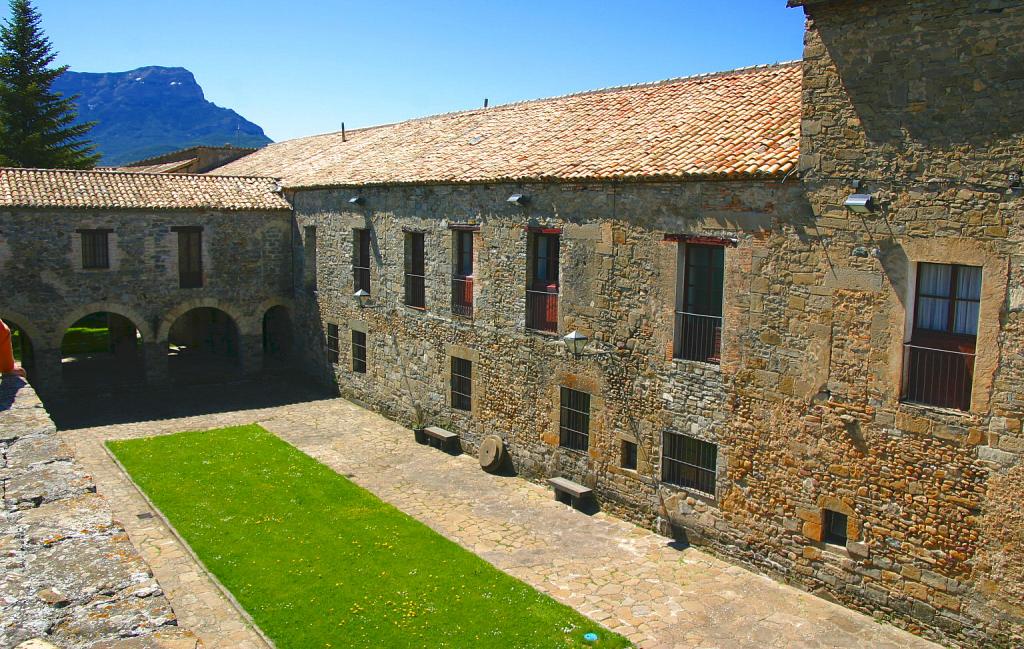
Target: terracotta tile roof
<point x="63" y="188"/>
<point x="739" y="124"/>
<point x="164" y="168"/>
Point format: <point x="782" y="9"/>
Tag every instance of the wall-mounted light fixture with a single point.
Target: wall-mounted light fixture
<point x="576" y="344"/>
<point x="859" y="203"/>
<point x="518" y="199"/>
<point x="1014" y="178"/>
<point x="356" y="200"/>
<point x="362" y="299"/>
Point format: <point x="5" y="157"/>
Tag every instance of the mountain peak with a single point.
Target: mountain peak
<point x="152" y="110"/>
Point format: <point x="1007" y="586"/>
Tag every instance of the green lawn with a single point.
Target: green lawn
<point x="320" y="562"/>
<point x="16" y="343"/>
<point x="85" y="340"/>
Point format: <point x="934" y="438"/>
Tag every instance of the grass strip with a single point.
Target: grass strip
<point x="320" y="562"/>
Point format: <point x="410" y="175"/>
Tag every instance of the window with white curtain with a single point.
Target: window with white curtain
<point x="948" y="297"/>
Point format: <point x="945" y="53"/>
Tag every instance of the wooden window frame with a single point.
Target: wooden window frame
<point x="190" y="261"/>
<point x="95" y="244"/>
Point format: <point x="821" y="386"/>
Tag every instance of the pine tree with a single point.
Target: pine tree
<point x="37" y="125"/>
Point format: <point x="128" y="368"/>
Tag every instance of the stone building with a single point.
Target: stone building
<point x="800" y="286"/>
<point x="196" y="265"/>
<point x="193" y="160"/>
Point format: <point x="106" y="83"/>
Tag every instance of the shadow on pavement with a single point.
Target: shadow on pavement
<point x="171" y="402"/>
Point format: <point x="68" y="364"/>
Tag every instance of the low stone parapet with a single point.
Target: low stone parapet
<point x="70" y="575"/>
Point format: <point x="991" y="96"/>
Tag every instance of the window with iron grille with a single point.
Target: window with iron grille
<point x="542" y="290"/>
<point x="332" y="344"/>
<point x="939" y="359"/>
<point x="835" y="527"/>
<point x="359" y="351"/>
<point x="415" y="271"/>
<point x="628" y="455"/>
<point x="361" y="260"/>
<point x="190" y="257"/>
<point x="462" y="384"/>
<point x="574" y="420"/>
<point x="95" y="248"/>
<point x="698" y="334"/>
<point x="689" y="462"/>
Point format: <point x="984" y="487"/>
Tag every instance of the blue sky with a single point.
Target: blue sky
<point x="304" y="66"/>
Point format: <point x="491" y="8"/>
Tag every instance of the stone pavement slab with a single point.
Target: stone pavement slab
<point x="631" y="580"/>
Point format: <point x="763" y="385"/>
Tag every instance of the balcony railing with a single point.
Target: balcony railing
<point x="542" y="310"/>
<point x="937" y="377"/>
<point x="698" y="337"/>
<point x="361" y="278"/>
<point x="462" y="296"/>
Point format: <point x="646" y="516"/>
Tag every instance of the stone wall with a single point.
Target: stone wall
<point x="246" y="271"/>
<point x="70" y="575"/>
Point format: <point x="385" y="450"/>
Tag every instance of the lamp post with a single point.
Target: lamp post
<point x="362" y="298"/>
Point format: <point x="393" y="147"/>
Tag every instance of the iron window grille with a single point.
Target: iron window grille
<point x="332" y="344"/>
<point x="938" y="362"/>
<point x="629" y="454"/>
<point x="359" y="352"/>
<point x="835" y="527"/>
<point x="689" y="462"/>
<point x="698" y="331"/>
<point x="462" y="384"/>
<point x="95" y="249"/>
<point x="190" y="257"/>
<point x="415" y="271"/>
<point x="361" y="260"/>
<point x="574" y="420"/>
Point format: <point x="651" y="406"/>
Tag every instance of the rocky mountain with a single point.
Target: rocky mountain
<point x="153" y="110"/>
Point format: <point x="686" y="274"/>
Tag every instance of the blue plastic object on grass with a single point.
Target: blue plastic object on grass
<point x="590" y="637"/>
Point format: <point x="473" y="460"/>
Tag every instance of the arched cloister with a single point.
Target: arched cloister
<point x="22" y="340"/>
<point x="277" y="335"/>
<point x="204" y="345"/>
<point x="101" y="349"/>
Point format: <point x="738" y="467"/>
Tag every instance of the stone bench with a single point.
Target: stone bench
<point x="441" y="438"/>
<point x="569" y="492"/>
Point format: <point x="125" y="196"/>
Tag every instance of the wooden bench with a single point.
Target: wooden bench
<point x="441" y="438"/>
<point x="569" y="492"/>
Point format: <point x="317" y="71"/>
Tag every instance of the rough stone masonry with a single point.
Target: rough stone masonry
<point x="71" y="577"/>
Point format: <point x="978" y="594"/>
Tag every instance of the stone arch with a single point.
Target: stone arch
<point x="107" y="307"/>
<point x="34" y="333"/>
<point x="278" y="331"/>
<point x="33" y="336"/>
<point x="245" y="326"/>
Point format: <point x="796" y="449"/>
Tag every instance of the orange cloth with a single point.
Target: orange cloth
<point x="6" y="350"/>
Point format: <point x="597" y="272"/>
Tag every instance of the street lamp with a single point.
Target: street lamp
<point x="362" y="298"/>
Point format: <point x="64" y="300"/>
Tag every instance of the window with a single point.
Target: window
<point x="190" y="257"/>
<point x="359" y="351"/>
<point x="462" y="384"/>
<point x="835" y="528"/>
<point x="628" y="455"/>
<point x="698" y="334"/>
<point x="939" y="359"/>
<point x="415" y="271"/>
<point x="542" y="275"/>
<point x="361" y="260"/>
<point x="462" y="273"/>
<point x="689" y="462"/>
<point x="309" y="257"/>
<point x="332" y="344"/>
<point x="574" y="420"/>
<point x="95" y="248"/>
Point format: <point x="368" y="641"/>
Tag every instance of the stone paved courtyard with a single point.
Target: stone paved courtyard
<point x="633" y="581"/>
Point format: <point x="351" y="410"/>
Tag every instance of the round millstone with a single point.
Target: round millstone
<point x="492" y="453"/>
